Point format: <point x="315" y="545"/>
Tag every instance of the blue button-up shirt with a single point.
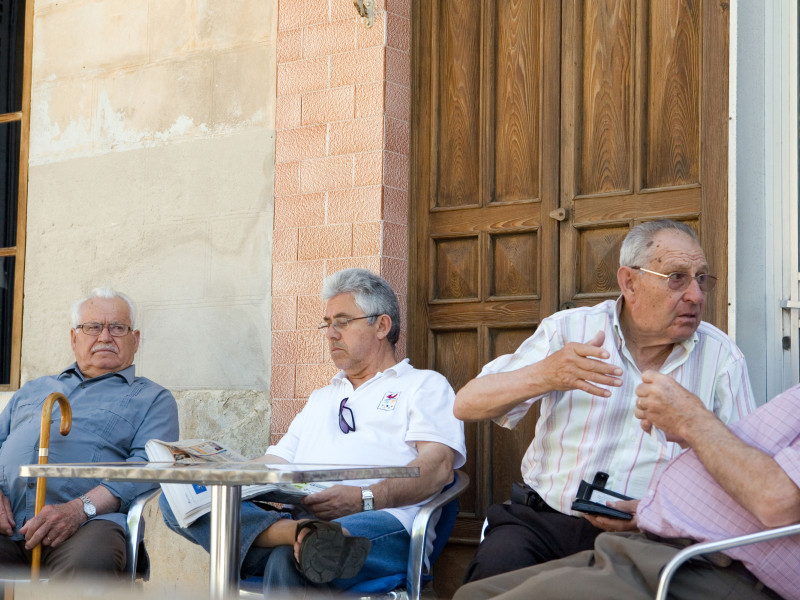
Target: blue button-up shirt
<point x="113" y="416"/>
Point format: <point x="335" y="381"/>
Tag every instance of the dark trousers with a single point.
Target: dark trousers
<point x="98" y="547"/>
<point x="520" y="536"/>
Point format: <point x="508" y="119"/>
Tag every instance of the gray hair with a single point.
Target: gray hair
<point x="635" y="251"/>
<point x="371" y="293"/>
<point x="108" y="294"/>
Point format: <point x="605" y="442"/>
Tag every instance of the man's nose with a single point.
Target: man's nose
<point x="105" y="334"/>
<point x="331" y="333"/>
<point x="693" y="293"/>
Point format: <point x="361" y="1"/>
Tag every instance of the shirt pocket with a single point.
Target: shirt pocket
<point x="26" y="411"/>
<point x="103" y="434"/>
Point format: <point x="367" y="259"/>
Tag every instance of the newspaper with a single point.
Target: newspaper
<point x="191" y="501"/>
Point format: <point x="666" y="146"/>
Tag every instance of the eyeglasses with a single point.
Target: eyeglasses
<point x="94" y="328"/>
<point x="345" y="425"/>
<point x="678" y="281"/>
<point x="340" y="323"/>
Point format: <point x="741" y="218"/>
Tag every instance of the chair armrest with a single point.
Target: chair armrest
<point x="706" y="547"/>
<point x="419" y="532"/>
<point x="136" y="529"/>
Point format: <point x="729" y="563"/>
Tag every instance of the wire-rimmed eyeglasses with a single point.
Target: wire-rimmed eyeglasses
<point x="341" y="323"/>
<point x="94" y="328"/>
<point x="344" y="412"/>
<point x="679" y="280"/>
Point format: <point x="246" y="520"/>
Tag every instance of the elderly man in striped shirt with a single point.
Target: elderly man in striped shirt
<point x="583" y="366"/>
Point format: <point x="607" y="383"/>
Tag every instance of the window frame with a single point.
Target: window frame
<point x="17" y="251"/>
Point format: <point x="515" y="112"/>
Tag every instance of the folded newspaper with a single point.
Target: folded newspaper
<point x="191" y="501"/>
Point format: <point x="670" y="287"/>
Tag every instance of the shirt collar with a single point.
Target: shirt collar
<point x="397" y="370"/>
<point x="619" y="339"/>
<point x="128" y="374"/>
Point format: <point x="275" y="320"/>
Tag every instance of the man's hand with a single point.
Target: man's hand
<point x="663" y="402"/>
<point x="609" y="524"/>
<point x="54" y="524"/>
<point x="334" y="502"/>
<point x="581" y="367"/>
<point x="7" y="523"/>
<point x="574" y="367"/>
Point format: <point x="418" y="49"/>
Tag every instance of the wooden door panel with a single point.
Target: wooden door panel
<point x="457" y="156"/>
<point x="509" y="444"/>
<point x="456" y="352"/>
<point x="604" y="112"/>
<point x="517" y="84"/>
<point x="671" y="145"/>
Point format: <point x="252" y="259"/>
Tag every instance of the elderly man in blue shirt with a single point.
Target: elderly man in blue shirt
<point x="114" y="413"/>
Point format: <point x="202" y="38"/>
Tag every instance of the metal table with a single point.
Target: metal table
<point x="225" y="481"/>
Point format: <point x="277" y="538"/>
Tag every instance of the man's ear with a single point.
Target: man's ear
<point x="626" y="280"/>
<point x="384" y="326"/>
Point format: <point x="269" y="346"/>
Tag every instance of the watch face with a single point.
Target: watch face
<point x="89" y="507"/>
<point x="366" y="500"/>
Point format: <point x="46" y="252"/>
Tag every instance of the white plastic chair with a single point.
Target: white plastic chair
<point x="706" y="547"/>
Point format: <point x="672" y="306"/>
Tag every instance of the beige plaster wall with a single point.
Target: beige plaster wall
<point x="152" y="169"/>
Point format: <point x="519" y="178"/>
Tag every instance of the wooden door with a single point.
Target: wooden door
<point x="541" y="132"/>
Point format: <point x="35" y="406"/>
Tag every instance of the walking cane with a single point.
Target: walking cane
<point x="44" y="450"/>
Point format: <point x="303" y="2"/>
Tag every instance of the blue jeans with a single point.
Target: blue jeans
<point x="388" y="555"/>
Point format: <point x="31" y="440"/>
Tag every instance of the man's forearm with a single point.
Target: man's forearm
<point x="435" y="462"/>
<point x="750" y="476"/>
<point x="104" y="501"/>
<point x="270" y="459"/>
<point x="494" y="395"/>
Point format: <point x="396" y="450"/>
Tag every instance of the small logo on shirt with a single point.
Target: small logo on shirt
<point x="388" y="402"/>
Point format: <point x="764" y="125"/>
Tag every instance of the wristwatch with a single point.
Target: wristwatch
<point x="367" y="499"/>
<point x="88" y="507"/>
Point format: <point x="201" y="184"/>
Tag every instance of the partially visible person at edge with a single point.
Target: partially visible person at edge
<point x="82" y="527"/>
<point x="582" y="367"/>
<point x="376" y="410"/>
<point x="733" y="481"/>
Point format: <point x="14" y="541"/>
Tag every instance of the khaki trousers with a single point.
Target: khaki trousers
<point x="622" y="566"/>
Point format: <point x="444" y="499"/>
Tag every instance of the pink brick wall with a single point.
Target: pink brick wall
<point x="341" y="174"/>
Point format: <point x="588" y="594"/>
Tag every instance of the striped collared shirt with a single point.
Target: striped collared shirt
<point x="578" y="434"/>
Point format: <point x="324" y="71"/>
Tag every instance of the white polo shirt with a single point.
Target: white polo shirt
<point x="393" y="410"/>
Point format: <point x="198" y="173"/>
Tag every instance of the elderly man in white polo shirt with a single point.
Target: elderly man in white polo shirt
<point x="376" y="410"/>
<point x="582" y="366"/>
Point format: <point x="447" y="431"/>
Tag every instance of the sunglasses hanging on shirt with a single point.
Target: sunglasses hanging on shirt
<point x="347" y="421"/>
